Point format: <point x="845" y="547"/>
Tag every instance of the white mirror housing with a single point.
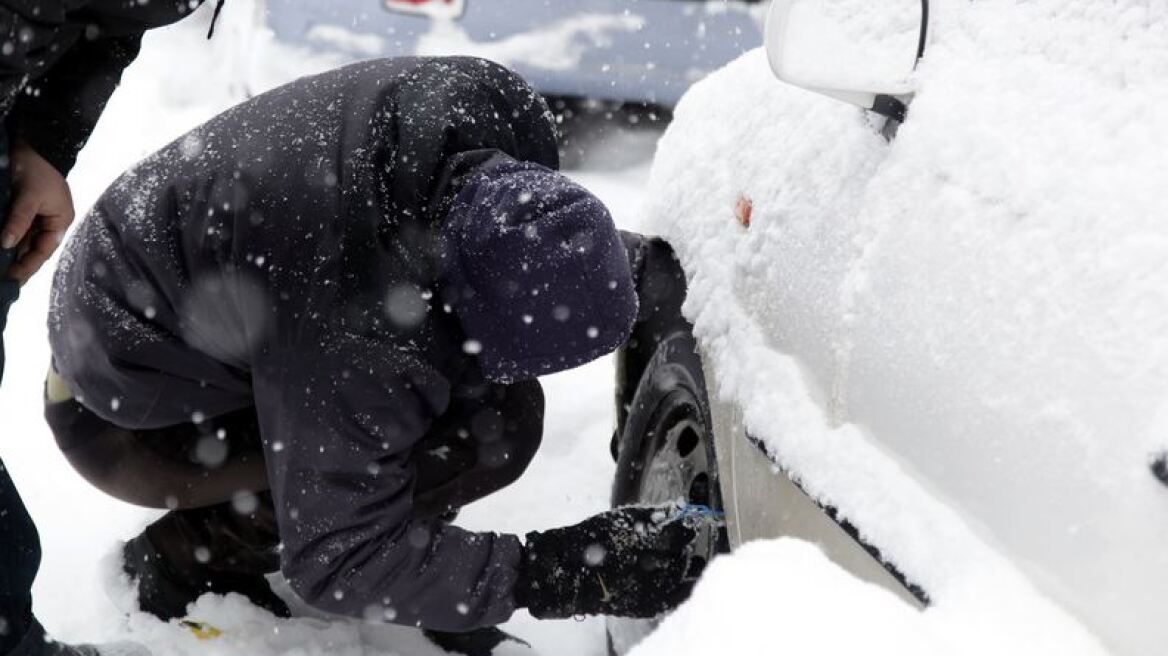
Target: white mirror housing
<point x="857" y="51"/>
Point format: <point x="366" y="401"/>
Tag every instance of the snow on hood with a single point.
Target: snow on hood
<point x="987" y="294"/>
<point x="540" y="280"/>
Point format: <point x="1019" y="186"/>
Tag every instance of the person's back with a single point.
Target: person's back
<point x="311" y="202"/>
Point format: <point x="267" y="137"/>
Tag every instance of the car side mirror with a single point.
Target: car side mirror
<point x="863" y="57"/>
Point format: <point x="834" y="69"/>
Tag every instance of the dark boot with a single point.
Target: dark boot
<point x="479" y="642"/>
<point x="191" y="552"/>
<point x="36" y="643"/>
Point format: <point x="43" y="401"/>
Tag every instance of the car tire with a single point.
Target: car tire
<point x="665" y="452"/>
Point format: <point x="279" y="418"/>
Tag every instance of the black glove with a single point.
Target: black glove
<point x="629" y="562"/>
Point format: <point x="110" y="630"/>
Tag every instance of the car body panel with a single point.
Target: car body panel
<point x="955" y="337"/>
<point x="763" y="502"/>
<point x="638" y="50"/>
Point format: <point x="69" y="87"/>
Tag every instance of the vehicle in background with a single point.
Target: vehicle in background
<point x="640" y="51"/>
<point x="927" y="335"/>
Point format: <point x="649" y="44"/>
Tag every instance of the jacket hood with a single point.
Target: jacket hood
<point x="540" y="279"/>
<point x="438" y="120"/>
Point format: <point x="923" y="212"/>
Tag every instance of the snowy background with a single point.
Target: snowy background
<point x="179" y="80"/>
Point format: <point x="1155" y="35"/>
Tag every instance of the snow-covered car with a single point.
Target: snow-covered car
<point x="929" y="334"/>
<point x="646" y="51"/>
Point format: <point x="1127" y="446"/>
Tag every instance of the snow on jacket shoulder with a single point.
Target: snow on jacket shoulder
<point x="289" y="254"/>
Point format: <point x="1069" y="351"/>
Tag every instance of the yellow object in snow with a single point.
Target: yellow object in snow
<point x="202" y="630"/>
<point x="56" y="389"/>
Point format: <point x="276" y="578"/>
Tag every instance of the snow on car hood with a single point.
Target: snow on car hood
<point x="959" y="338"/>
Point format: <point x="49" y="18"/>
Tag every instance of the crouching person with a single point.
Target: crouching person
<point x="311" y="329"/>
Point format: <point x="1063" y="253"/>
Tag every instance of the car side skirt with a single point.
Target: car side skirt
<point x="762" y="501"/>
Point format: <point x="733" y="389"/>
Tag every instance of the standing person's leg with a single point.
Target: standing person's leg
<point x="220" y="534"/>
<point x="20" y="556"/>
<point x="20" y="550"/>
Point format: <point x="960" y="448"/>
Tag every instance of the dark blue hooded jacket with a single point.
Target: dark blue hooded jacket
<point x="345" y="253"/>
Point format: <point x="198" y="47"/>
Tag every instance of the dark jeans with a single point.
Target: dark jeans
<point x="20" y="556"/>
<point x="20" y="549"/>
<point x="211" y="475"/>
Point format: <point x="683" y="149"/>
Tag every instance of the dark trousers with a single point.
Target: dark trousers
<point x="20" y="549"/>
<point x="20" y="556"/>
<point x="211" y="475"/>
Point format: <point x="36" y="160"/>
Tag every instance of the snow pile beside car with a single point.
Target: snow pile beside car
<point x="959" y="338"/>
<point x="785" y="596"/>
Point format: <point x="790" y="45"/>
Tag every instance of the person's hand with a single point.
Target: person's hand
<point x="629" y="562"/>
<point x="40" y="213"/>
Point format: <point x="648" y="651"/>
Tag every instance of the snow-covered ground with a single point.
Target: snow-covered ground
<point x="788" y="596"/>
<point x="179" y="80"/>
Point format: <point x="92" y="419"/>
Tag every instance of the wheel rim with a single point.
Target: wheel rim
<point x="677" y="466"/>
